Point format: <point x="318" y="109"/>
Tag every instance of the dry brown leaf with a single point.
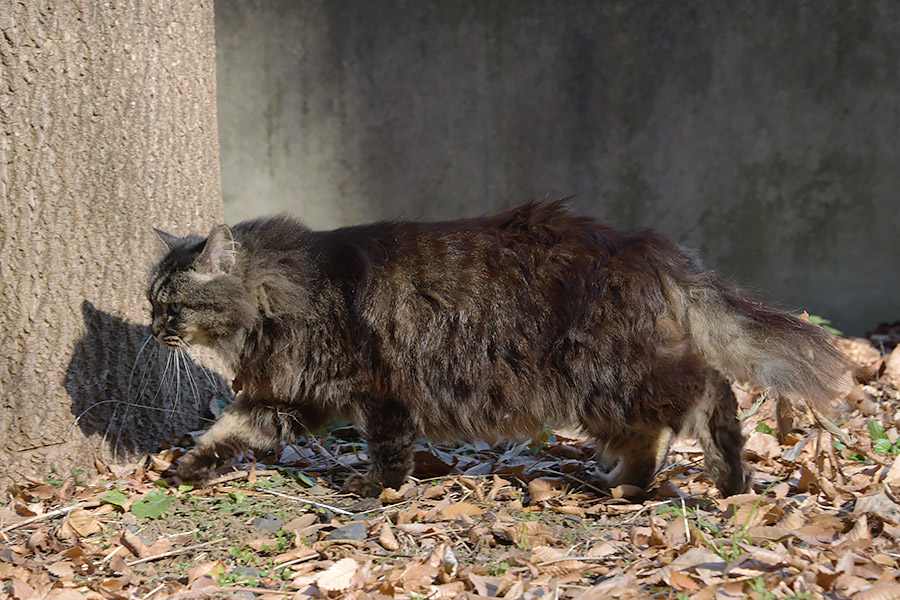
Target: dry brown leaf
<point x="64" y="594"/>
<point x="762" y="445"/>
<point x="682" y="582"/>
<point x="889" y="591"/>
<point x="259" y="543"/>
<point x="878" y="505"/>
<point x="338" y="576"/>
<point x="159" y="463"/>
<point x="435" y="491"/>
<point x="412" y="514"/>
<point x="485" y="585"/>
<point x="767" y="533"/>
<point x="554" y="561"/>
<point x="626" y="491"/>
<point x="417" y="577"/>
<point x="63" y="569"/>
<point x="646" y="537"/>
<point x="622" y="585"/>
<point x="118" y="565"/>
<point x="133" y="543"/>
<point x="160" y="546"/>
<point x="568" y="509"/>
<point x="452" y="589"/>
<point x="860" y="530"/>
<point x="543" y="489"/>
<point x="390" y="496"/>
<point x="892" y="477"/>
<point x="213" y="567"/>
<point x="461" y="508"/>
<point x="496" y="486"/>
<point x="83" y="523"/>
<point x="387" y="539"/>
<point x="21" y="590"/>
<point x="808" y="481"/>
<point x="300" y="522"/>
<point x="418" y="527"/>
<point x="884" y="560"/>
<point x="677" y="531"/>
<point x="529" y="533"/>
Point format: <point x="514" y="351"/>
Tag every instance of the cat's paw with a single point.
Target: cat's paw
<point x="197" y="467"/>
<point x="362" y="486"/>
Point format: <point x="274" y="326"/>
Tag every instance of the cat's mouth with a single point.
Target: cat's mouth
<point x="172" y="341"/>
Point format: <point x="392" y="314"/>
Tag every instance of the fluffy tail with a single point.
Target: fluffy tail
<point x="753" y="343"/>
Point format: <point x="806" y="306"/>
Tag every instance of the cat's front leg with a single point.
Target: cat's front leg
<point x="245" y="424"/>
<point x="391" y="434"/>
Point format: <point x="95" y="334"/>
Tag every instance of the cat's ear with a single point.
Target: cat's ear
<point x="218" y="255"/>
<point x="171" y="241"/>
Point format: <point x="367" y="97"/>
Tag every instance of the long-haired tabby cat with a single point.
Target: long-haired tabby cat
<point x="481" y="328"/>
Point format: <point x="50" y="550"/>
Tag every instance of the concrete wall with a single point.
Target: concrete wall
<point x="765" y="134"/>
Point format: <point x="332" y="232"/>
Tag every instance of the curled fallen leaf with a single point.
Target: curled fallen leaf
<point x="387" y="539"/>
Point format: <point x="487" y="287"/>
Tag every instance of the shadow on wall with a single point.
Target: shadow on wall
<point x="133" y="393"/>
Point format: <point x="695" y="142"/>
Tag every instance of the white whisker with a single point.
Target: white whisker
<point x="192" y="383"/>
<point x="134" y="365"/>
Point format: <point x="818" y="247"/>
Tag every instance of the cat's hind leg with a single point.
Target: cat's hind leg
<point x="391" y="434"/>
<point x="714" y="422"/>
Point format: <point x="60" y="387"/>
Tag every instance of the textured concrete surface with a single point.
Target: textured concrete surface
<point x="764" y="134"/>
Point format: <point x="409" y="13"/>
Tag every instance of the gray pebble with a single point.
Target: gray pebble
<point x="353" y="531"/>
<point x="269" y="523"/>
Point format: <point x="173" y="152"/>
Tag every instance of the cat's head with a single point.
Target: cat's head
<point x="196" y="292"/>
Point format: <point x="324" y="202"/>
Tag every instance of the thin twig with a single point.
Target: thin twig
<point x="333" y="509"/>
<point x="602" y="492"/>
<point x="173" y="552"/>
<point x="576" y="558"/>
<point x="831" y="428"/>
<point x="154" y="590"/>
<point x="111" y="554"/>
<point x="48" y="515"/>
<point x="295" y="561"/>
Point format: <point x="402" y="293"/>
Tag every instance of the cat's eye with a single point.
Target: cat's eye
<point x="175" y="308"/>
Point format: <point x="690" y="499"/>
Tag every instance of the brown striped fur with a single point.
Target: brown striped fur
<point x="482" y="328"/>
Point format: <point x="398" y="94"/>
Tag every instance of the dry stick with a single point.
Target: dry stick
<point x="604" y="493"/>
<point x="173" y="552"/>
<point x="844" y="438"/>
<point x="334" y="509"/>
<point x="295" y="561"/>
<point x="831" y="428"/>
<point x="48" y="515"/>
<point x="153" y="591"/>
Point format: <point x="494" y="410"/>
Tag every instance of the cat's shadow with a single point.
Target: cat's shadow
<point x="130" y="395"/>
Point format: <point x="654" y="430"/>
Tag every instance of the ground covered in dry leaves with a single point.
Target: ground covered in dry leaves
<point x="522" y="520"/>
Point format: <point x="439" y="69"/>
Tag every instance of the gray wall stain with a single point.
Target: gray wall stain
<point x="764" y="134"/>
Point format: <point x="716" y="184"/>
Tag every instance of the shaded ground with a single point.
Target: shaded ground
<point x="522" y="520"/>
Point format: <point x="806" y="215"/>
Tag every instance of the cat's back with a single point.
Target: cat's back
<point x="529" y="236"/>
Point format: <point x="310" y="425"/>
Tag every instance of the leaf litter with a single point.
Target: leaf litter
<point x="523" y="520"/>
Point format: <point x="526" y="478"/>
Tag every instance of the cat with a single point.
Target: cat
<point x="482" y="328"/>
